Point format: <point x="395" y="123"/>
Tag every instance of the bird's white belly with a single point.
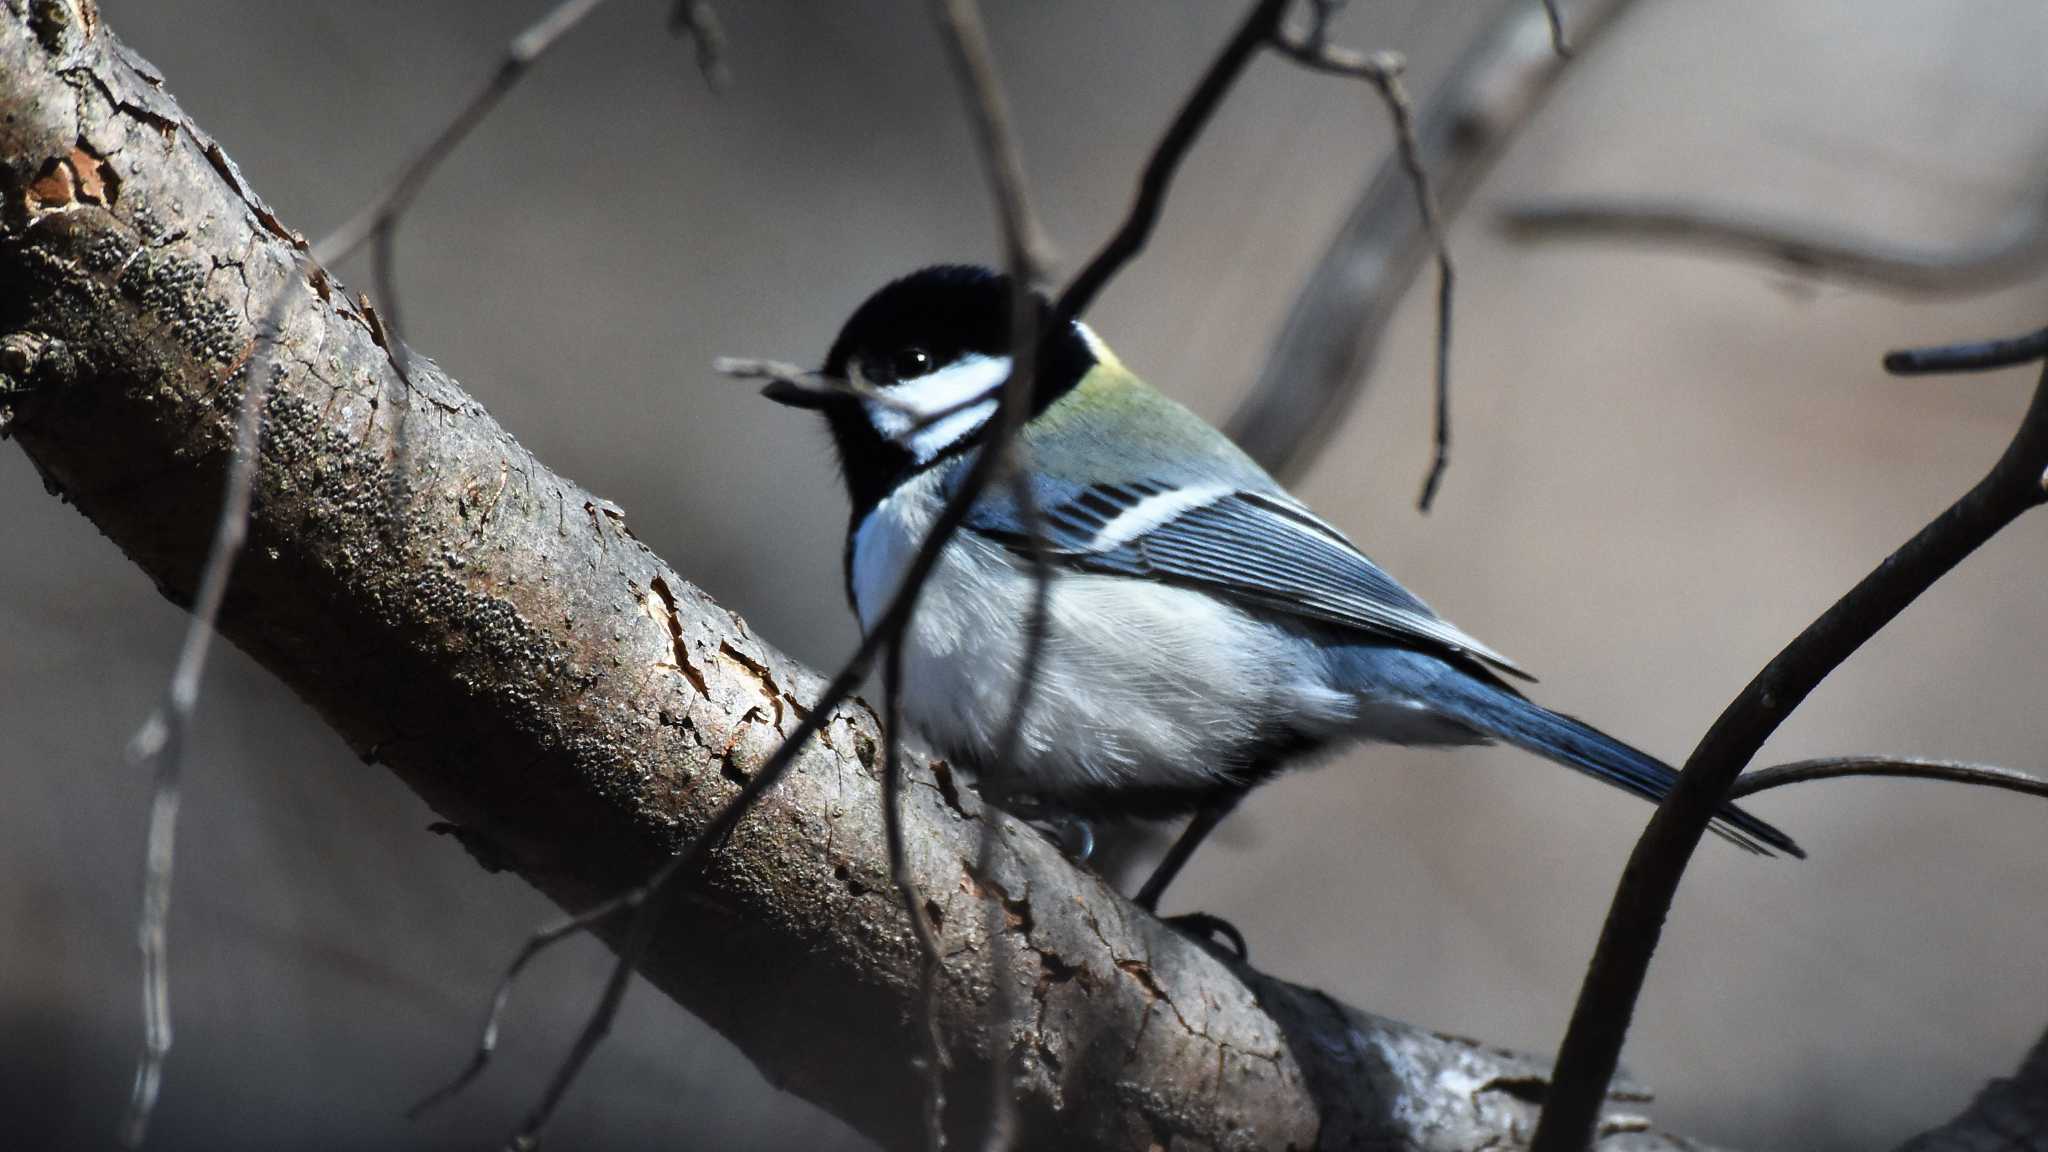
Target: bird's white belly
<point x="1140" y="684"/>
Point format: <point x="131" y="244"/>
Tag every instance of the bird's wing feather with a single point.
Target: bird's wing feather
<point x="1259" y="548"/>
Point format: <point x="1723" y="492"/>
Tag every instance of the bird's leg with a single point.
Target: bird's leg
<point x="1205" y="821"/>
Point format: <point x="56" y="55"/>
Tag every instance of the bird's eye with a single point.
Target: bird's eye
<point x="910" y="363"/>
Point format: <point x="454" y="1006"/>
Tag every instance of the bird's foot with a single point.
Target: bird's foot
<point x="1075" y="837"/>
<point x="1208" y="930"/>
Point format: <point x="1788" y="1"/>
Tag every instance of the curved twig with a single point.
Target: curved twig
<point x="2016" y="252"/>
<point x="159" y="745"/>
<point x="1980" y="356"/>
<point x="698" y="20"/>
<point x="1383" y="70"/>
<point x="1002" y="158"/>
<point x="1559" y="42"/>
<point x="1013" y="408"/>
<point x="539" y="942"/>
<point x="1907" y="767"/>
<point x="1318" y="364"/>
<point x="323" y="618"/>
<point x="1614" y="980"/>
<point x="913" y="902"/>
<point x="378" y="220"/>
<point x="1258" y="28"/>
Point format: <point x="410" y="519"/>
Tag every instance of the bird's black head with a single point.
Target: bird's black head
<point x="936" y="341"/>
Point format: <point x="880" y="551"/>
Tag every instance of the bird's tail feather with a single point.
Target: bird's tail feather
<point x="1505" y="715"/>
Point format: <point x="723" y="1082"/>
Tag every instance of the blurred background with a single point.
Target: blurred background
<point x="1666" y="463"/>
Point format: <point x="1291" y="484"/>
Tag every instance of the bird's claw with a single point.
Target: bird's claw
<point x="1206" y="929"/>
<point x="1075" y="837"/>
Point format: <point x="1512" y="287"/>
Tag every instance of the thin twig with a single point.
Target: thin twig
<point x="539" y="942"/>
<point x="819" y="384"/>
<point x="2015" y="252"/>
<point x="1614" y="980"/>
<point x="645" y="895"/>
<point x="1836" y="767"/>
<point x="384" y="278"/>
<point x="1002" y="1124"/>
<point x="1131" y="236"/>
<point x="1013" y="408"/>
<point x="378" y="220"/>
<point x="887" y="628"/>
<point x="1978" y="356"/>
<point x="936" y="1061"/>
<point x="1559" y="43"/>
<point x="698" y="20"/>
<point x="1321" y="360"/>
<point x="1024" y="249"/>
<point x="159" y="745"/>
<point x="383" y="212"/>
<point x="1383" y="70"/>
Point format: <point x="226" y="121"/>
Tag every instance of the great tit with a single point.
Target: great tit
<point x="1205" y="629"/>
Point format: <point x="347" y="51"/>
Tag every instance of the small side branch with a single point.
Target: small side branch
<point x="377" y="222"/>
<point x="595" y="646"/>
<point x="2016" y="253"/>
<point x="1908" y="768"/>
<point x="1383" y="70"/>
<point x="1321" y="360"/>
<point x="1614" y="980"/>
<point x="1002" y="159"/>
<point x="1559" y="42"/>
<point x="159" y="745"/>
<point x="1258" y="28"/>
<point x="1982" y="356"/>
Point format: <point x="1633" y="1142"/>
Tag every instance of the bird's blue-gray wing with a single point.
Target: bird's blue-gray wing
<point x="1258" y="548"/>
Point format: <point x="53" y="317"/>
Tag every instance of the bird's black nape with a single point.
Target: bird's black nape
<point x="946" y="312"/>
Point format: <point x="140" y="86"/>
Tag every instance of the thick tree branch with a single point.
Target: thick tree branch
<point x="496" y="636"/>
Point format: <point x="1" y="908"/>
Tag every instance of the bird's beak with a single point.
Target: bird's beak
<point x="792" y="395"/>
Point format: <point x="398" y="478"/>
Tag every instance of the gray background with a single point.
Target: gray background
<point x="1666" y="464"/>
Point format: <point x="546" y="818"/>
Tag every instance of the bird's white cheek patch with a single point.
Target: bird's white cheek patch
<point x="953" y="390"/>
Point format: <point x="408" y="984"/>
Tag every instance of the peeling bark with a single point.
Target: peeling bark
<point x="576" y="709"/>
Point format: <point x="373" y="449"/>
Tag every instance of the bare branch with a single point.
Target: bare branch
<point x="535" y="693"/>
<point x="698" y="20"/>
<point x="1614" y="980"/>
<point x="1319" y="363"/>
<point x="539" y="942"/>
<point x="966" y="40"/>
<point x="781" y="372"/>
<point x="913" y="901"/>
<point x="378" y="220"/>
<point x="1024" y="246"/>
<point x="2009" y="1115"/>
<point x="1913" y="768"/>
<point x="1383" y="70"/>
<point x="382" y="213"/>
<point x="1011" y="412"/>
<point x="1558" y="41"/>
<point x="2014" y="253"/>
<point x="159" y="745"/>
<point x="1130" y="238"/>
<point x="1983" y="356"/>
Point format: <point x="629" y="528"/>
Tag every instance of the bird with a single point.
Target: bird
<point x="1204" y="630"/>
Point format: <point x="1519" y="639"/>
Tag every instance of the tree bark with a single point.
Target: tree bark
<point x="496" y="636"/>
